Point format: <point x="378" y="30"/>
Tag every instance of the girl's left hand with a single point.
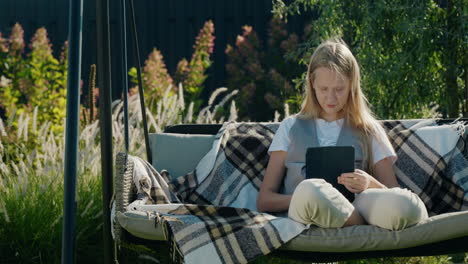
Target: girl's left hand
<point x="356" y="181"/>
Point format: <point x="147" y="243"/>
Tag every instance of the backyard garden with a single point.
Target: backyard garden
<point x="414" y="64"/>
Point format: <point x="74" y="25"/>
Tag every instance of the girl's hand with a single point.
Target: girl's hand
<point x="356" y="181"/>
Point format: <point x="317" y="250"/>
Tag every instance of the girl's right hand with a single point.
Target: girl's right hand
<point x="356" y="182"/>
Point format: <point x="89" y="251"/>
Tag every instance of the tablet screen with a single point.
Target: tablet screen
<point x="330" y="162"/>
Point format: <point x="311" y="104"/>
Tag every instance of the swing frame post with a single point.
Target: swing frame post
<point x="72" y="130"/>
<point x="105" y="120"/>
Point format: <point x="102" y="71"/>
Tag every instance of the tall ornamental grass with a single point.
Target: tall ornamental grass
<point x="31" y="179"/>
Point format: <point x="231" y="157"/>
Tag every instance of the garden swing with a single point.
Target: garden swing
<point x="142" y="213"/>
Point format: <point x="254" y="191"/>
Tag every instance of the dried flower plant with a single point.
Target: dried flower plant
<point x="263" y="75"/>
<point x="191" y="74"/>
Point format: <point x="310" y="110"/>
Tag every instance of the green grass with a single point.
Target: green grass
<point x="32" y="232"/>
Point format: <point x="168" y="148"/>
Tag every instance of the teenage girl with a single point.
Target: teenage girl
<point x="335" y="112"/>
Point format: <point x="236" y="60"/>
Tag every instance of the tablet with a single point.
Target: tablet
<point x="330" y="162"/>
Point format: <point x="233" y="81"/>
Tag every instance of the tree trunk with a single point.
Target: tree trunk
<point x="450" y="75"/>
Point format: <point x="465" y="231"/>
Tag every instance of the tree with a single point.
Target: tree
<point x="412" y="53"/>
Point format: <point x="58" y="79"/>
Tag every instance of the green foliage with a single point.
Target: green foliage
<point x="31" y="181"/>
<point x="263" y="75"/>
<point x="33" y="232"/>
<point x="30" y="226"/>
<point x="190" y="74"/>
<point x="11" y="67"/>
<point x="36" y="80"/>
<point x="413" y="54"/>
<point x="31" y="196"/>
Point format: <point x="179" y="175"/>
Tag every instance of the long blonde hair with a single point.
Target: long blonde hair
<point x="336" y="56"/>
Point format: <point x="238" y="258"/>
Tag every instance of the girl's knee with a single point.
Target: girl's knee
<point x="408" y="209"/>
<point x="311" y="188"/>
<point x="393" y="209"/>
<point x="308" y="193"/>
<point x="315" y="201"/>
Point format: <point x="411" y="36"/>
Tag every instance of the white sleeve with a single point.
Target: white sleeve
<point x="382" y="150"/>
<point x="281" y="139"/>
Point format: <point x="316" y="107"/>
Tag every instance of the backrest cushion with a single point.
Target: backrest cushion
<point x="178" y="153"/>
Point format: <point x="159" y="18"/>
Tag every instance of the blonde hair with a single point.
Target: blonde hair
<point x="336" y="56"/>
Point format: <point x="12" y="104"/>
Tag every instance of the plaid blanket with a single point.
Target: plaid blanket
<point x="431" y="162"/>
<point x="217" y="219"/>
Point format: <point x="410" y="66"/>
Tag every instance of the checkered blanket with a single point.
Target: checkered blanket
<point x="218" y="219"/>
<point x="431" y="162"/>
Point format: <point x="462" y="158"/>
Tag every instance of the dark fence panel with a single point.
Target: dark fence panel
<point x="169" y="25"/>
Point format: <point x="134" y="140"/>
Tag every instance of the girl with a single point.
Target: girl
<point x="335" y="112"/>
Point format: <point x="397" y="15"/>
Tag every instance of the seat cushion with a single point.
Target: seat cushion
<point x="368" y="238"/>
<point x="140" y="221"/>
<point x="178" y="153"/>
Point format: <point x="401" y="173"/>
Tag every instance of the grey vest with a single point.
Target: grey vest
<point x="303" y="135"/>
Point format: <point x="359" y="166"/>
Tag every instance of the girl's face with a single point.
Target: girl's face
<point x="332" y="91"/>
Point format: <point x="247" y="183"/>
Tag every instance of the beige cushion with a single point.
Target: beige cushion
<point x="179" y="154"/>
<point x="349" y="239"/>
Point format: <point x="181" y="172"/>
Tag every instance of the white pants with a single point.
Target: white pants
<point x="316" y="202"/>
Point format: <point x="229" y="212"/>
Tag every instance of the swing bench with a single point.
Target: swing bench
<point x="181" y="148"/>
<point x="444" y="233"/>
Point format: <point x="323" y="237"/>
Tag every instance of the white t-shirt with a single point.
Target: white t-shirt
<point x="327" y="135"/>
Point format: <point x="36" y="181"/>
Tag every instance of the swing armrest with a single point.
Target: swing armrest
<point x="124" y="189"/>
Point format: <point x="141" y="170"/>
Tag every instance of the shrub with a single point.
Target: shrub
<point x="263" y="75"/>
<point x="191" y="74"/>
<point x="35" y="80"/>
<point x="155" y="78"/>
